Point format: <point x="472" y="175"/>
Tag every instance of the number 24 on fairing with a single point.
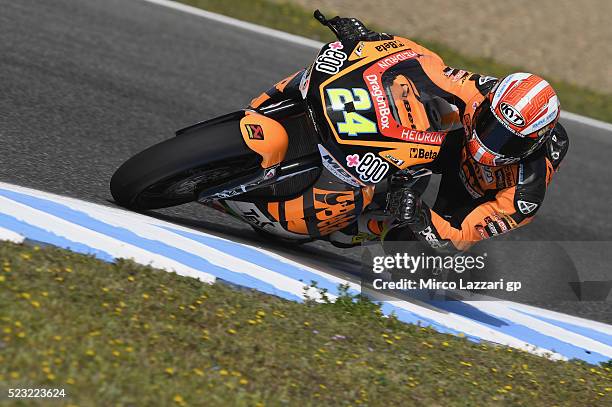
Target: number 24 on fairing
<point x="354" y="123"/>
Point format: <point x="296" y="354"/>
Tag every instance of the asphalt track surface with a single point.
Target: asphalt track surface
<point x="86" y="84"/>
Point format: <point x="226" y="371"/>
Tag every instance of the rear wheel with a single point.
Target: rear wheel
<point x="174" y="171"/>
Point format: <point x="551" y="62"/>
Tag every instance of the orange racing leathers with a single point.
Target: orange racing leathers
<point x="474" y="201"/>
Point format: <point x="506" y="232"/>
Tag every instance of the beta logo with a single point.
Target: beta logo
<point x="369" y="167"/>
<point x="389" y="45"/>
<point x="422" y="153"/>
<point x="511" y="115"/>
<point x="254" y="131"/>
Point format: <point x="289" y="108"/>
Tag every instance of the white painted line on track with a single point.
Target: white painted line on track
<point x="147" y="227"/>
<point x="133" y="218"/>
<point x="271" y="32"/>
<point x="469" y="327"/>
<point x="90" y="238"/>
<point x="557" y="316"/>
<point x="307" y="42"/>
<point x="212" y="255"/>
<point x="503" y="311"/>
<point x="587" y="121"/>
<point x="11" y="236"/>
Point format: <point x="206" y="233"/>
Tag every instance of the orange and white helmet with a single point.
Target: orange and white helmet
<point x="514" y="120"/>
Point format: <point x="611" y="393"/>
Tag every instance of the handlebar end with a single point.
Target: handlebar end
<point x="320" y="17"/>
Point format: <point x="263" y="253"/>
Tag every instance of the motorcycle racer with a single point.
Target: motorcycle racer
<point x="495" y="169"/>
<point x="343" y="150"/>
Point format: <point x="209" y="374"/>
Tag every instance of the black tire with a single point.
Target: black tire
<point x="172" y="172"/>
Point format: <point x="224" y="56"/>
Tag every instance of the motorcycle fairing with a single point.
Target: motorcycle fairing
<point x="325" y="207"/>
<point x="352" y="163"/>
<point x="258" y="215"/>
<point x="265" y="136"/>
<point x="378" y="104"/>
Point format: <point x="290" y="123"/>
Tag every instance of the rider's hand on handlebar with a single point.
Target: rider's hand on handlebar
<point x="350" y="29"/>
<point x="403" y="203"/>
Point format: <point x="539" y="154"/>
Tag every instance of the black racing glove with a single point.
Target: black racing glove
<point x="407" y="207"/>
<point x="350" y="29"/>
<point x="404" y="204"/>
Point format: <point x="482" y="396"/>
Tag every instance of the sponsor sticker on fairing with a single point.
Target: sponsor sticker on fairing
<point x="359" y="49"/>
<point x="380" y="99"/>
<point x="394" y="160"/>
<point x="305" y="82"/>
<point x="254" y="131"/>
<point x="395" y="44"/>
<point x="335" y="168"/>
<point x="253" y="215"/>
<point x="423" y="137"/>
<point x="396" y="58"/>
<point x="369" y="167"/>
<point x="331" y="60"/>
<point x="423" y="153"/>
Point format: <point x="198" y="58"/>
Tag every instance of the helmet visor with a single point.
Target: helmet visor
<point x="498" y="139"/>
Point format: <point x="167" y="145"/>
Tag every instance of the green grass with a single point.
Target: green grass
<point x="124" y="334"/>
<point x="294" y="19"/>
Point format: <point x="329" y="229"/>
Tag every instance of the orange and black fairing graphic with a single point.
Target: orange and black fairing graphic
<point x="361" y="106"/>
<point x="324" y="208"/>
<point x="334" y="210"/>
<point x="270" y="93"/>
<point x="265" y="136"/>
<point x="373" y="106"/>
<point x="410" y="110"/>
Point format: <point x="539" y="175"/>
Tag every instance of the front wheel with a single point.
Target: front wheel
<point x="174" y="171"/>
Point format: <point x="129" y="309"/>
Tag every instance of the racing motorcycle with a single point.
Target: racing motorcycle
<point x="308" y="156"/>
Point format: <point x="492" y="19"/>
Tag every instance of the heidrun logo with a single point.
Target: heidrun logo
<point x="396" y="58"/>
<point x="427" y="137"/>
